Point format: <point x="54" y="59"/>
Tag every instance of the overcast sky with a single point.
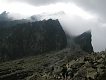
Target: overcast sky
<point x="76" y="16"/>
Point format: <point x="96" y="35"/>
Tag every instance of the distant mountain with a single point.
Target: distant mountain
<point x="85" y="41"/>
<point x="31" y="38"/>
<point x="4" y="16"/>
<point x="20" y="38"/>
<point x="82" y="41"/>
<point x="7" y="21"/>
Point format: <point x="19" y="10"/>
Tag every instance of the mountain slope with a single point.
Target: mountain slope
<point x="31" y="38"/>
<point x="82" y="41"/>
<point x="85" y="41"/>
<point x="37" y="67"/>
<point x="84" y="66"/>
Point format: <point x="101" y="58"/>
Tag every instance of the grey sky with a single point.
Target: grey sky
<point x="75" y="24"/>
<point x="95" y="6"/>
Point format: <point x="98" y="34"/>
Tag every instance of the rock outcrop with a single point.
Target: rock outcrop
<point x="31" y="38"/>
<point x="82" y="41"/>
<point x="19" y="38"/>
<point x="37" y="67"/>
<point x="85" y="41"/>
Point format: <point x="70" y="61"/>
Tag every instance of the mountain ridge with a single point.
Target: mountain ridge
<point x="20" y="38"/>
<point x="32" y="37"/>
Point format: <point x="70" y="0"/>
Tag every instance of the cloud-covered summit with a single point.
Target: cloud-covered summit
<point x="4" y="16"/>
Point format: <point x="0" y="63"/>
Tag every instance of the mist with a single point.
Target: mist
<point x="78" y="25"/>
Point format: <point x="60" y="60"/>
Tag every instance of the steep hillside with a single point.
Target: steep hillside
<point x="38" y="67"/>
<point x="31" y="38"/>
<point x="85" y="41"/>
<point x="82" y="65"/>
<point x="20" y="38"/>
<point x="82" y="41"/>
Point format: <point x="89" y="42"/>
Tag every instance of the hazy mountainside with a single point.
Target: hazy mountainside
<point x="85" y="41"/>
<point x="82" y="41"/>
<point x="31" y="38"/>
<point x="7" y="21"/>
<point x="12" y="23"/>
<point x="20" y="38"/>
<point x="4" y="16"/>
<point x="42" y="45"/>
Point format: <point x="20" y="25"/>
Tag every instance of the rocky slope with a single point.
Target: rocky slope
<point x="82" y="65"/>
<point x="37" y="67"/>
<point x="41" y="45"/>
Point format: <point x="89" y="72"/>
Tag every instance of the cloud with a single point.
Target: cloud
<point x="98" y="25"/>
<point x="94" y="6"/>
<point x="77" y="25"/>
<point x="35" y="2"/>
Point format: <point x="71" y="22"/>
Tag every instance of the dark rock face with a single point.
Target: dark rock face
<point x="31" y="38"/>
<point x="85" y="41"/>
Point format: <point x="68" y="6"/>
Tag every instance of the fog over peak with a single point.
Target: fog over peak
<point x="4" y="16"/>
<point x="76" y="16"/>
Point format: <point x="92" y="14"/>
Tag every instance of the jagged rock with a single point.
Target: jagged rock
<point x="84" y="41"/>
<point x="31" y="38"/>
<point x="39" y="67"/>
<point x="91" y="72"/>
<point x="102" y="76"/>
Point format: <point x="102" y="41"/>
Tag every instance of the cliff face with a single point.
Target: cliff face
<point x="22" y="38"/>
<point x="31" y="39"/>
<point x="85" y="41"/>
